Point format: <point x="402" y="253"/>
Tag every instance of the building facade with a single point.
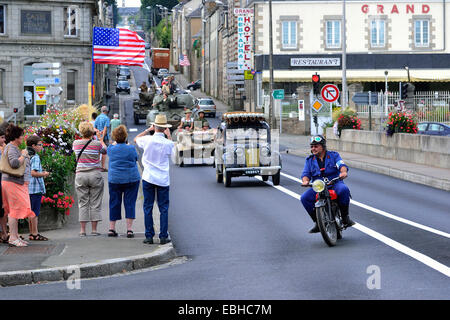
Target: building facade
<point x="47" y="31"/>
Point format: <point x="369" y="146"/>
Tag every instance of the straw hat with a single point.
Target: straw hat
<point x="161" y="121"/>
<point x="187" y="111"/>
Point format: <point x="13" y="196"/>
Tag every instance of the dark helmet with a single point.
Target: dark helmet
<point x="318" y="139"/>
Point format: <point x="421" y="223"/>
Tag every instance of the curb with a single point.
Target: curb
<point x="88" y="270"/>
<point x="442" y="184"/>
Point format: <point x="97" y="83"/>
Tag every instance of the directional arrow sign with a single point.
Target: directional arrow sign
<point x="54" y="91"/>
<point x="45" y="72"/>
<point x="363" y="98"/>
<point x="55" y="65"/>
<point x="278" y="94"/>
<point x="47" y="81"/>
<point x="236" y="82"/>
<point x="236" y="77"/>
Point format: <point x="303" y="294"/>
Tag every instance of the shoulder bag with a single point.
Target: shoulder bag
<point x="79" y="155"/>
<point x="5" y="167"/>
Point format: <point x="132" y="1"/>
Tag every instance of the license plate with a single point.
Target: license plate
<point x="253" y="171"/>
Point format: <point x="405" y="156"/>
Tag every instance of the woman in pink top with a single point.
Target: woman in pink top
<point x="88" y="178"/>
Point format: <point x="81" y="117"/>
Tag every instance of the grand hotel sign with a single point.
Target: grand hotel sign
<point x="395" y="8"/>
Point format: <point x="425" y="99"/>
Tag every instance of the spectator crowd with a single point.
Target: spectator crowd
<point x="102" y="141"/>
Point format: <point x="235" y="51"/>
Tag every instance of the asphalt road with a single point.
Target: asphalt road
<point x="251" y="241"/>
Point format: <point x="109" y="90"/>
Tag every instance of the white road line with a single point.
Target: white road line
<point x="388" y="241"/>
<point x="386" y="214"/>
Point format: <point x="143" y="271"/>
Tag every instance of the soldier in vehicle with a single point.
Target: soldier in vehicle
<point x="200" y="120"/>
<point x="205" y="126"/>
<point x="187" y="123"/>
<point x="162" y="105"/>
<point x="144" y="87"/>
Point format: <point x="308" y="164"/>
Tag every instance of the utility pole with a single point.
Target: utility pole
<point x="344" y="59"/>
<point x="272" y="121"/>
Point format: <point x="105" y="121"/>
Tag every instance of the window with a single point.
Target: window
<point x="2" y="72"/>
<point x="436" y="127"/>
<point x="378" y="33"/>
<point x="2" y="19"/>
<point x="333" y="31"/>
<point x="421" y="33"/>
<point x="70" y="22"/>
<point x="289" y="34"/>
<point x="71" y="77"/>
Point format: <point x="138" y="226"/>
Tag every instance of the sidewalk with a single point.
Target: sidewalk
<point x="299" y="145"/>
<point x="94" y="256"/>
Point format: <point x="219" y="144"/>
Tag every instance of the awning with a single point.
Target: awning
<point x="397" y="75"/>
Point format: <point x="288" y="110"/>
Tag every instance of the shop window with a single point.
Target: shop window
<point x="71" y="80"/>
<point x="421" y="33"/>
<point x="2" y="19"/>
<point x="70" y="22"/>
<point x="333" y="33"/>
<point x="378" y="33"/>
<point x="289" y="34"/>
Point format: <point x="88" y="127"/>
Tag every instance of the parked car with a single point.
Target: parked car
<point x="162" y="73"/>
<point x="433" y="128"/>
<point x="124" y="71"/>
<point x="123" y="86"/>
<point x="243" y="147"/>
<point x="195" y="85"/>
<point x="207" y="105"/>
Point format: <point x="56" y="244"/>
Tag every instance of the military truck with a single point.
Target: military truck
<point x="142" y="106"/>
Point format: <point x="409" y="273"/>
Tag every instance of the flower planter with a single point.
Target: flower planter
<point x="50" y="219"/>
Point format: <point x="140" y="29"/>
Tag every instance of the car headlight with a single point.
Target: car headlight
<point x="265" y="152"/>
<point x="239" y="152"/>
<point x="318" y="186"/>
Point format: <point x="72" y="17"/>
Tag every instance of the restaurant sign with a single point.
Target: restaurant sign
<point x="244" y="29"/>
<point x="315" y="62"/>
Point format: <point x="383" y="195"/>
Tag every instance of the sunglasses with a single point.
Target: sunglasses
<point x="316" y="139"/>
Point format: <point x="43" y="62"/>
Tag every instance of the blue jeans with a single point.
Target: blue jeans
<point x="129" y="192"/>
<point x="163" y="204"/>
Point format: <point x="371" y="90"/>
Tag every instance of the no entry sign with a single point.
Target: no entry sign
<point x="330" y="93"/>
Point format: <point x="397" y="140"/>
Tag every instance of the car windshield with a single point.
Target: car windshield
<point x="206" y="102"/>
<point x="124" y="84"/>
<point x="422" y="126"/>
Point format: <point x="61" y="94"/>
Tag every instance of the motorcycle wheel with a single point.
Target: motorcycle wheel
<point x="327" y="226"/>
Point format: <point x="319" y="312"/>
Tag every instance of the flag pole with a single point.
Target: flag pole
<point x="92" y="84"/>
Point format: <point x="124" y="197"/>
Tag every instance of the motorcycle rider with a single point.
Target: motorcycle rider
<point x="320" y="164"/>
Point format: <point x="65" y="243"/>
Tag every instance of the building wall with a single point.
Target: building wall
<point x="73" y="52"/>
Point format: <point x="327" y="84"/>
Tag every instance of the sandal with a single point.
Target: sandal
<point x="82" y="234"/>
<point x="5" y="240"/>
<point x="17" y="243"/>
<point x="130" y="234"/>
<point x="37" y="237"/>
<point x="95" y="233"/>
<point x="112" y="233"/>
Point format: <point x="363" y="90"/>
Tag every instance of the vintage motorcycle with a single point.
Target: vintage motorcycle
<point x="329" y="218"/>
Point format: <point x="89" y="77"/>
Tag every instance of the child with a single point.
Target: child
<point x="36" y="187"/>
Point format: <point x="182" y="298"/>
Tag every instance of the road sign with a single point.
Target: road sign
<point x="240" y="89"/>
<point x="235" y="77"/>
<point x="47" y="81"/>
<point x="54" y="91"/>
<point x="330" y="93"/>
<point x="363" y="98"/>
<point x="235" y="71"/>
<point x="235" y="82"/>
<point x="248" y="75"/>
<point x="46" y="72"/>
<point x="278" y="94"/>
<point x="232" y="64"/>
<point x="317" y="105"/>
<point x="54" y="65"/>
<point x="40" y="96"/>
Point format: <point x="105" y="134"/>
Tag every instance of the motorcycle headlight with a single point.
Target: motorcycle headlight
<point x="318" y="186"/>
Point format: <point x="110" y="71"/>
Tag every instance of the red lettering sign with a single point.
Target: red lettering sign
<point x="409" y="8"/>
<point x="394" y="9"/>
<point x="380" y="8"/>
<point x="425" y="8"/>
<point x="365" y="8"/>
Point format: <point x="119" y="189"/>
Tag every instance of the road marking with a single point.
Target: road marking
<point x="388" y="241"/>
<point x="133" y="130"/>
<point x="386" y="214"/>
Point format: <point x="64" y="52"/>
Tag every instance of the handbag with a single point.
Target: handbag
<point x="84" y="147"/>
<point x="5" y="167"/>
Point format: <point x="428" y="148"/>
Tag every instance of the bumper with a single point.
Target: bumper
<point x="254" y="171"/>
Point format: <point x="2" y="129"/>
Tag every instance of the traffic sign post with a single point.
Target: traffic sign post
<point x="52" y="92"/>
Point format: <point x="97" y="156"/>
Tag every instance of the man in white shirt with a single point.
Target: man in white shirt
<point x="155" y="179"/>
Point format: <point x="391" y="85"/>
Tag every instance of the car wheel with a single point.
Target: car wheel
<point x="226" y="177"/>
<point x="276" y="178"/>
<point x="265" y="178"/>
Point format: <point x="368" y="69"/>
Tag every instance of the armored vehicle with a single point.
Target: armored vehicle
<point x="175" y="111"/>
<point x="244" y="147"/>
<point x="143" y="105"/>
<point x="195" y="147"/>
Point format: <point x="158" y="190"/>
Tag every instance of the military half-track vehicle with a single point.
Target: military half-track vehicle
<point x="175" y="111"/>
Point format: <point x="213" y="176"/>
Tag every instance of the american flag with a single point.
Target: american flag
<point x="184" y="61"/>
<point x="118" y="46"/>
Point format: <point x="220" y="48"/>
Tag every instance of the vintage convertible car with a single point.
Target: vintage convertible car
<point x="243" y="147"/>
<point x="195" y="147"/>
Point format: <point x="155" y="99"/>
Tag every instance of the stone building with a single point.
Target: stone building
<point x="47" y="31"/>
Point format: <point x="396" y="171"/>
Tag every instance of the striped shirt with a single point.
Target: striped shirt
<point x="90" y="158"/>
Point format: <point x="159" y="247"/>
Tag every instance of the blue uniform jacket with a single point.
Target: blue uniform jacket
<point x="333" y="165"/>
